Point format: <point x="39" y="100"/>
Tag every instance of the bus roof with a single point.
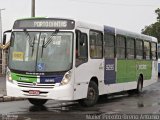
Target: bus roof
<point x="64" y="23"/>
<point x="118" y="31"/>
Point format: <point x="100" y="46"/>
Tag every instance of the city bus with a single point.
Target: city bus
<point x="66" y="59"/>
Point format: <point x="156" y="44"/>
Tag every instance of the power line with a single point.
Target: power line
<point x="117" y="4"/>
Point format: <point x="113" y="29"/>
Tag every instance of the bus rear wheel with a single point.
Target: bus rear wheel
<point x="92" y="95"/>
<point x="37" y="102"/>
<point x="139" y="85"/>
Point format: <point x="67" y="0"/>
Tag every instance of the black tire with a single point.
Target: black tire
<point x="37" y="102"/>
<point x="92" y="95"/>
<point x="139" y="89"/>
<point x="132" y="92"/>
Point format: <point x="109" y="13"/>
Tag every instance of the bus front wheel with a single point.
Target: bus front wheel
<point x="37" y="102"/>
<point x="92" y="95"/>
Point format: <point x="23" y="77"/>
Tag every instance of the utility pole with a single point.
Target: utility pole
<point x="33" y="9"/>
<point x="1" y="25"/>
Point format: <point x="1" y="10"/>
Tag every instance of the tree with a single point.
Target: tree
<point x="153" y="29"/>
<point x="157" y="11"/>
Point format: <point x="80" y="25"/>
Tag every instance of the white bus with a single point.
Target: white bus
<point x="64" y="59"/>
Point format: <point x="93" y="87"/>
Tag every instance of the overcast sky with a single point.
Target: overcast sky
<point x="130" y="15"/>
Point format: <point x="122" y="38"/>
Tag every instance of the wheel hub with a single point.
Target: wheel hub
<point x="91" y="93"/>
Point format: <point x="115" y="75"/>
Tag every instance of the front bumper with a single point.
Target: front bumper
<point x="64" y="92"/>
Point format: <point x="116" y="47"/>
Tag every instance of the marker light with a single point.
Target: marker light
<point x="8" y="76"/>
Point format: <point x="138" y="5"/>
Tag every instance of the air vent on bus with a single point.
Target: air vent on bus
<point x="35" y="85"/>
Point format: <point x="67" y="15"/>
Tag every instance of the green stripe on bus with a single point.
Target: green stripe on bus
<point x="30" y="18"/>
<point x="23" y="78"/>
<point x="129" y="70"/>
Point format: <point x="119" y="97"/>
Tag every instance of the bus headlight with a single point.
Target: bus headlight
<point x="66" y="78"/>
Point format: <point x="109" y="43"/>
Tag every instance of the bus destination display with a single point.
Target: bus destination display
<point x="44" y="24"/>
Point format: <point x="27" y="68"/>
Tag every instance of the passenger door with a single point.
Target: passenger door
<point x="109" y="59"/>
<point x="81" y="59"/>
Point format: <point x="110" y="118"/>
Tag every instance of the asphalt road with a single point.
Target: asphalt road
<point x="147" y="102"/>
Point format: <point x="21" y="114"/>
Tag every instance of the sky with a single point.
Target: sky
<point x="132" y="15"/>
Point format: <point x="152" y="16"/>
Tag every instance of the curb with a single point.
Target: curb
<point x="8" y="99"/>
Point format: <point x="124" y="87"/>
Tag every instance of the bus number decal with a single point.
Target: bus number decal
<point x="109" y="71"/>
<point x="142" y="67"/>
<point x="110" y="67"/>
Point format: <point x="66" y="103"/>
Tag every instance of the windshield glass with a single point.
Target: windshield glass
<point x="41" y="51"/>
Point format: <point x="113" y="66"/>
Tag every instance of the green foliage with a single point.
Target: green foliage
<point x="153" y="29"/>
<point x="157" y="11"/>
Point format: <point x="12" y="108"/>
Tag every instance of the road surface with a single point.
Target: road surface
<point x="147" y="102"/>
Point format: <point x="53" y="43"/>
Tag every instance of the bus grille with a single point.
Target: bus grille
<point x="37" y="85"/>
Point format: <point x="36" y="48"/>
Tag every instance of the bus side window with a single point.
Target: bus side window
<point x="96" y="38"/>
<point x="81" y="48"/>
<point x="158" y="51"/>
<point x="120" y="44"/>
<point x="139" y="49"/>
<point x="130" y="48"/>
<point x="153" y="51"/>
<point x="146" y="50"/>
<point x="109" y="51"/>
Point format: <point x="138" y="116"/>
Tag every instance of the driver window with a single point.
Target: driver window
<point x="81" y="48"/>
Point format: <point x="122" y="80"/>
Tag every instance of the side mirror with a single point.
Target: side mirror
<point x="4" y="39"/>
<point x="5" y="36"/>
<point x="81" y="42"/>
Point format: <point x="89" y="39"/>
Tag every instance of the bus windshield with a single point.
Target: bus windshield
<point x="41" y="51"/>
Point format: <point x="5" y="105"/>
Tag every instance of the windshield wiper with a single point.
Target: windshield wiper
<point x="33" y="45"/>
<point x="50" y="38"/>
<point x="29" y="38"/>
<point x="44" y="45"/>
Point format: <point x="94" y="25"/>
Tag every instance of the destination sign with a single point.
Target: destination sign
<point x="44" y="23"/>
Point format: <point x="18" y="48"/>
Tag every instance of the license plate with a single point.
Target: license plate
<point x="34" y="92"/>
